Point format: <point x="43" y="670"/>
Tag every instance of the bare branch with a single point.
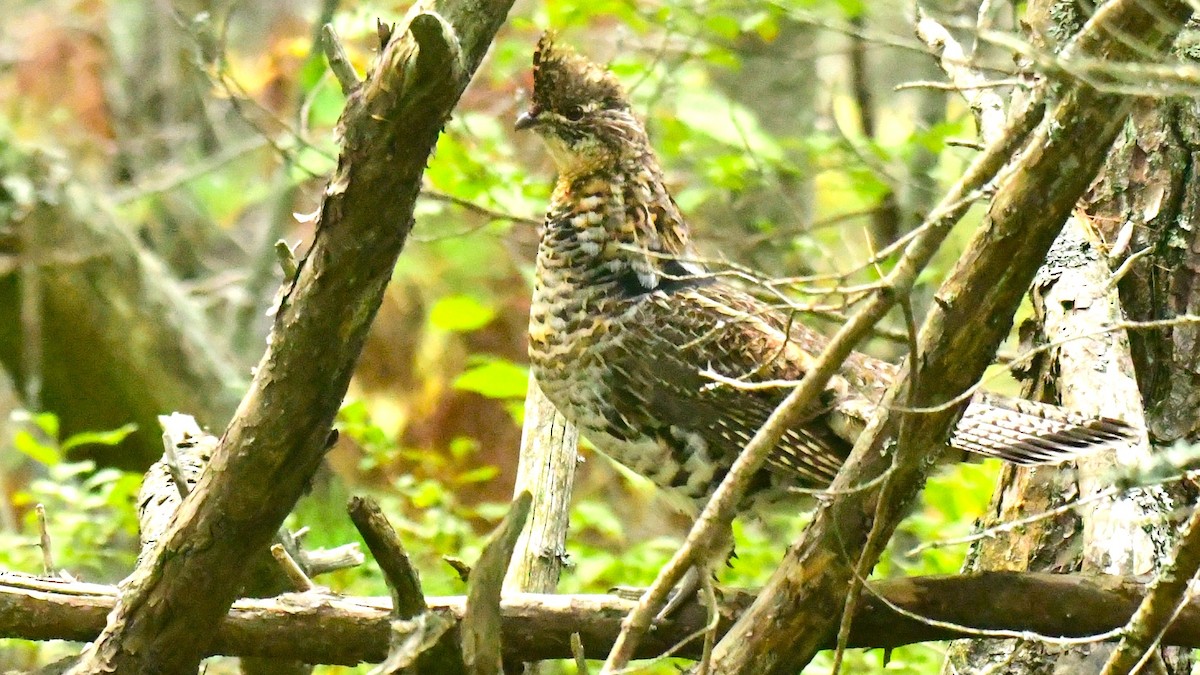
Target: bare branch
<point x="289" y="566"/>
<point x="988" y="106"/>
<point x="339" y="61"/>
<point x="381" y="539"/>
<point x="321" y="628"/>
<point x="44" y="541"/>
<point x="546" y="469"/>
<point x="481" y="627"/>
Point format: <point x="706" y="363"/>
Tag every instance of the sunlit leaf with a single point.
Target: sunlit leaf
<point x="477" y="475"/>
<point x="495" y="378"/>
<point x="460" y="313"/>
<point x="462" y="447"/>
<point x="42" y="453"/>
<point x="427" y="494"/>
<point x="112" y="437"/>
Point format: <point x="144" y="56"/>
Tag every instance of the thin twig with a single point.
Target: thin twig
<point x="287" y="563"/>
<point x="1007" y="525"/>
<point x="172" y="176"/>
<point x="951" y="86"/>
<point x="44" y="541"/>
<point x="1124" y="269"/>
<point x="1013" y="361"/>
<point x="581" y="667"/>
<point x="494" y="214"/>
<point x="339" y="61"/>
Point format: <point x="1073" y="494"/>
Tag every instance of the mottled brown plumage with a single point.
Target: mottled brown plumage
<point x="622" y="325"/>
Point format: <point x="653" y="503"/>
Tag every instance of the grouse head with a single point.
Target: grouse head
<point x="581" y="111"/>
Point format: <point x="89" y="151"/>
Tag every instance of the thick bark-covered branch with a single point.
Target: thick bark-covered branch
<point x="797" y="612"/>
<point x="317" y="628"/>
<point x="1153" y="173"/>
<point x="281" y="430"/>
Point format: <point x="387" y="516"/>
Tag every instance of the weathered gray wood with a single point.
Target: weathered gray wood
<point x="546" y="469"/>
<point x="482" y="648"/>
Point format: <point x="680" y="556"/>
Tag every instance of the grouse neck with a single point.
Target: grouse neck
<point x="620" y="224"/>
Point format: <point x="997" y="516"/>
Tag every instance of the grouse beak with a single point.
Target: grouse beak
<point x="526" y="120"/>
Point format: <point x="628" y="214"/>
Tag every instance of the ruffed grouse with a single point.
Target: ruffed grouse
<point x="622" y="324"/>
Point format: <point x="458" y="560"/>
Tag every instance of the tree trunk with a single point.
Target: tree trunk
<point x="1148" y="191"/>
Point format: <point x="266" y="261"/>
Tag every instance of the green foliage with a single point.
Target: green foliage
<point x="91" y="512"/>
<point x="494" y="378"/>
<point x="432" y="520"/>
<point x="460" y="313"/>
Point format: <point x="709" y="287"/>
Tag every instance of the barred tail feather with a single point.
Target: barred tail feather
<point x="1027" y="432"/>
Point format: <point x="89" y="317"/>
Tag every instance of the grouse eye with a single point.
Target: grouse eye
<point x="574" y="113"/>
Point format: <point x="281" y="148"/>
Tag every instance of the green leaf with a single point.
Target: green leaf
<point x="477" y="475"/>
<point x="42" y="453"/>
<point x="460" y="313"/>
<point x="354" y="412"/>
<point x="462" y="446"/>
<point x="427" y="494"/>
<point x="722" y="25"/>
<point x="47" y="422"/>
<point x="495" y="378"/>
<point x="597" y="516"/>
<point x="112" y="437"/>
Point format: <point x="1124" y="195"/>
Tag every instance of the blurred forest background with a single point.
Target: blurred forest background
<point x="183" y="139"/>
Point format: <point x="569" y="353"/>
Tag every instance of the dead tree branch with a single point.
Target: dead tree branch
<point x="482" y="622"/>
<point x="549" y="453"/>
<point x="321" y="628"/>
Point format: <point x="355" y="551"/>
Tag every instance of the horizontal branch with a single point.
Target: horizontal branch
<point x="318" y="628"/>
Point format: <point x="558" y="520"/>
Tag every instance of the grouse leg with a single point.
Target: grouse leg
<point x="693" y="580"/>
<point x="708" y="595"/>
<point x="701" y="576"/>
